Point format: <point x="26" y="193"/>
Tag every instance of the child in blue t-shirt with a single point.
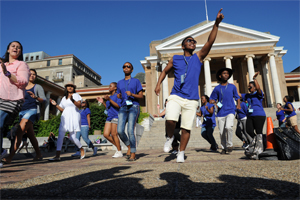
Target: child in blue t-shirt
<point x="223" y="96"/>
<point x="130" y="91"/>
<point x="207" y="110"/>
<point x="280" y="116"/>
<point x="241" y="133"/>
<point x="112" y="106"/>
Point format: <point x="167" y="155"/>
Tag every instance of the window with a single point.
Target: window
<point x="59" y="74"/>
<point x="31" y="58"/>
<point x="60" y="62"/>
<point x="48" y="63"/>
<point x="26" y="59"/>
<point x="37" y="57"/>
<point x="47" y="77"/>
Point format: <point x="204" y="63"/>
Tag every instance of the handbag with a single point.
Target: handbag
<point x="289" y="143"/>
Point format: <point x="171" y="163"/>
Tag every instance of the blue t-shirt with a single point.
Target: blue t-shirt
<point x="225" y="94"/>
<point x="133" y="85"/>
<point x="280" y="115"/>
<point x="83" y="114"/>
<point x="289" y="113"/>
<point x="255" y="103"/>
<point x="189" y="88"/>
<point x="112" y="112"/>
<point x="243" y="111"/>
<point x="30" y="103"/>
<point x="208" y="119"/>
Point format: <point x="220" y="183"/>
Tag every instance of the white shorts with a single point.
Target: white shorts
<point x="186" y="107"/>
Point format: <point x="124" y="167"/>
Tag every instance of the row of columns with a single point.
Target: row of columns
<point x="251" y="71"/>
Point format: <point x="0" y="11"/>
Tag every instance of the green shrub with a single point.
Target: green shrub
<point x="142" y="116"/>
<point x="98" y="117"/>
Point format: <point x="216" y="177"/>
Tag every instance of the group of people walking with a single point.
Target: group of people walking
<point x="19" y="94"/>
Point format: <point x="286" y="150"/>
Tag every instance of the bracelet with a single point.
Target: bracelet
<point x="8" y="74"/>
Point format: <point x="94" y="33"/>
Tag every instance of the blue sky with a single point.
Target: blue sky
<point x="106" y="34"/>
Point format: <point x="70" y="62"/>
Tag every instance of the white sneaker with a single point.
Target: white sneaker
<point x="95" y="151"/>
<point x="82" y="157"/>
<point x="4" y="154"/>
<point x="180" y="157"/>
<point x="77" y="154"/>
<point x="168" y="144"/>
<point x="118" y="154"/>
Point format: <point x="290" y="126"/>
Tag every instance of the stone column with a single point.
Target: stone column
<point x="299" y="92"/>
<point x="268" y="92"/>
<point x="47" y="106"/>
<point x="228" y="65"/>
<point x="250" y="66"/>
<point x="58" y="102"/>
<point x="207" y="76"/>
<point x="275" y="80"/>
<point x="165" y="82"/>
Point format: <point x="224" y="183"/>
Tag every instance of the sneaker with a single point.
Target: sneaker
<point x="229" y="150"/>
<point x="223" y="151"/>
<point x="95" y="151"/>
<point x="118" y="154"/>
<point x="168" y="144"/>
<point x="77" y="154"/>
<point x="180" y="157"/>
<point x="4" y="154"/>
<point x="82" y="157"/>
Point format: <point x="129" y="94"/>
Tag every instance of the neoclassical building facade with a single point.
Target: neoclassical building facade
<point x="243" y="50"/>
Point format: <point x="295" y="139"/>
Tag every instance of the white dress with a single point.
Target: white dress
<point x="70" y="119"/>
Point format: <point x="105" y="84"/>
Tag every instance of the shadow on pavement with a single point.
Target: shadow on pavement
<point x="113" y="184"/>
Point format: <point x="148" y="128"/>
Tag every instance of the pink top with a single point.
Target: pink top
<point x="10" y="90"/>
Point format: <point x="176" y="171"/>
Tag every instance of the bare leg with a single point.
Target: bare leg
<point x="296" y="128"/>
<point x="115" y="137"/>
<point x="170" y="128"/>
<point x="107" y="131"/>
<point x="184" y="139"/>
<point x="33" y="140"/>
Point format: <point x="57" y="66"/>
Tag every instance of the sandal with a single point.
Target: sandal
<point x="5" y="161"/>
<point x="127" y="156"/>
<point x="131" y="159"/>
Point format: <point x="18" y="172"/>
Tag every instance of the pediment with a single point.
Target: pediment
<point x="228" y="35"/>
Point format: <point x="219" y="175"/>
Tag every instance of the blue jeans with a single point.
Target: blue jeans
<point x="3" y="115"/>
<point x="128" y="114"/>
<point x="85" y="136"/>
<point x="30" y="114"/>
<point x="207" y="134"/>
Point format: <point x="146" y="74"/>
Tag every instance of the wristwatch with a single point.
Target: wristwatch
<point x="8" y="74"/>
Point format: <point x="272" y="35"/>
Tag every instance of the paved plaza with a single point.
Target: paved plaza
<point x="154" y="175"/>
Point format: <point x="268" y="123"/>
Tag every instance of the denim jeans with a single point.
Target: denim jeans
<point x="207" y="133"/>
<point x="128" y="114"/>
<point x="3" y="116"/>
<point x="85" y="136"/>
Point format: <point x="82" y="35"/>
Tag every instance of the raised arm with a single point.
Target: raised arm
<point x="211" y="38"/>
<point x="256" y="83"/>
<point x="163" y="75"/>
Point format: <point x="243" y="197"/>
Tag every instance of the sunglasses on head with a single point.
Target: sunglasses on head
<point x="191" y="40"/>
<point x="128" y="66"/>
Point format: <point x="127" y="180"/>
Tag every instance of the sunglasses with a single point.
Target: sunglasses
<point x="128" y="66"/>
<point x="83" y="102"/>
<point x="191" y="40"/>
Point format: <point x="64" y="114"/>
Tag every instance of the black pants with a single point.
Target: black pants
<point x="255" y="123"/>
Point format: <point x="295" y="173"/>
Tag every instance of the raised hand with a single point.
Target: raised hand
<point x="3" y="66"/>
<point x="99" y="99"/>
<point x="52" y="102"/>
<point x="106" y="97"/>
<point x="220" y="16"/>
<point x="255" y="75"/>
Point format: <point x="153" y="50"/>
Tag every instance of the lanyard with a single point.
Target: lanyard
<point x="186" y="64"/>
<point x="250" y="99"/>
<point x="222" y="91"/>
<point x="126" y="85"/>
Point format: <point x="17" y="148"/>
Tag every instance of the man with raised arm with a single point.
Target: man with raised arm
<point x="184" y="96"/>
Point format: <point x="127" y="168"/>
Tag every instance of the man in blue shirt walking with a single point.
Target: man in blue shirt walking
<point x="222" y="96"/>
<point x="185" y="95"/>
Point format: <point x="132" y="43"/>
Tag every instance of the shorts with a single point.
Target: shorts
<point x="113" y="121"/>
<point x="291" y="121"/>
<point x="186" y="107"/>
<point x="30" y="114"/>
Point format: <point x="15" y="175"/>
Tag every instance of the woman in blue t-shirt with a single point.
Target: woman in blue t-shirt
<point x="207" y="110"/>
<point x="291" y="118"/>
<point x="280" y="116"/>
<point x="85" y="114"/>
<point x="112" y="106"/>
<point x="130" y="91"/>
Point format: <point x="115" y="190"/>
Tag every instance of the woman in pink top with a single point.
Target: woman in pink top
<point x="14" y="76"/>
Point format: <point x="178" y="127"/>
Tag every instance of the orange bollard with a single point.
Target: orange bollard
<point x="271" y="139"/>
